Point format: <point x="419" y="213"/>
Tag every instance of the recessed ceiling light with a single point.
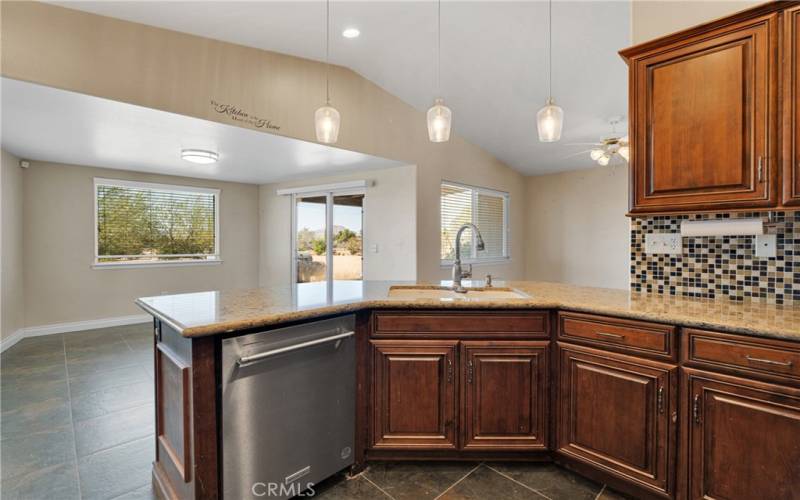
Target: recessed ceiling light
<point x="351" y="33"/>
<point x="200" y="156"/>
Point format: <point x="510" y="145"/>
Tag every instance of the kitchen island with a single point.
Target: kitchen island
<point x="645" y="392"/>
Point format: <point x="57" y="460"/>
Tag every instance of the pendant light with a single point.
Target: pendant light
<point x="550" y="118"/>
<point x="327" y="118"/>
<point x="439" y="116"/>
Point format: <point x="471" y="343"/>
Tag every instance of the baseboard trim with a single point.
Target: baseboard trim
<point x="12" y="339"/>
<point x="74" y="326"/>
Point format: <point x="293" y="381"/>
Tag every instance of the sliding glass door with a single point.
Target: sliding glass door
<point x="328" y="236"/>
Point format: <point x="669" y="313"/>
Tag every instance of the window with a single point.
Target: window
<point x="485" y="208"/>
<point x="143" y="223"/>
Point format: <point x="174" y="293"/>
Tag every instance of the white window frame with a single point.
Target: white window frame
<point x="200" y="259"/>
<point x="329" y="191"/>
<point x="476" y="190"/>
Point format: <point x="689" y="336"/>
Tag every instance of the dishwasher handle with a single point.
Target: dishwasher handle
<point x="247" y="360"/>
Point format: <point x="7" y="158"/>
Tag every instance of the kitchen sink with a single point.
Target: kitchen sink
<point x="446" y="294"/>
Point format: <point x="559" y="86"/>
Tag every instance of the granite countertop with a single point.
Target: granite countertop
<point x="214" y="312"/>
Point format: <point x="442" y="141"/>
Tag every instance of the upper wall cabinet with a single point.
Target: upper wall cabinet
<point x="791" y="108"/>
<point x="705" y="115"/>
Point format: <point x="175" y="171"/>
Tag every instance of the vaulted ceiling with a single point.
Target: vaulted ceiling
<point x="494" y="59"/>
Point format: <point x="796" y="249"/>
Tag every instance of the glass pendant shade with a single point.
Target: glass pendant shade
<point x="439" y="120"/>
<point x="596" y="154"/>
<point x="603" y="160"/>
<point x="549" y="121"/>
<point x="624" y="150"/>
<point x="326" y="121"/>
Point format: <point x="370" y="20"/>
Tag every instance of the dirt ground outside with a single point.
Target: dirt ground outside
<point x="345" y="267"/>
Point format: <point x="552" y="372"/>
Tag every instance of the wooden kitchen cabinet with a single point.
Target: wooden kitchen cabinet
<point x="791" y="108"/>
<point x="704" y="116"/>
<point x="741" y="437"/>
<point x="617" y="414"/>
<point x="414" y="394"/>
<point x="504" y="387"/>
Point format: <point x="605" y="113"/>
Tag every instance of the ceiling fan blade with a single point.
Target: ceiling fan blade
<point x="576" y="154"/>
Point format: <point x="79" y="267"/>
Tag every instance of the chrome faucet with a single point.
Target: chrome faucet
<point x="458" y="273"/>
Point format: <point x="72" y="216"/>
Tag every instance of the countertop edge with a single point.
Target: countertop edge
<point x="276" y="319"/>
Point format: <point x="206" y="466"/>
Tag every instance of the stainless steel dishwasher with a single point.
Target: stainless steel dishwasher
<point x="288" y="408"/>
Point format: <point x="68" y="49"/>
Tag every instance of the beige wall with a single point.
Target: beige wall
<point x="182" y="73"/>
<point x="58" y="237"/>
<point x="12" y="308"/>
<point x="390" y="221"/>
<point x="654" y="18"/>
<point x="577" y="231"/>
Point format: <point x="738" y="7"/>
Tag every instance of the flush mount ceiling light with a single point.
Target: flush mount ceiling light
<point x="351" y="33"/>
<point x="201" y="156"/>
<point x="550" y="119"/>
<point x="440" y="118"/>
<point x="327" y="118"/>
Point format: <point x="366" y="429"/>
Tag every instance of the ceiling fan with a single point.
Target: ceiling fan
<point x="608" y="148"/>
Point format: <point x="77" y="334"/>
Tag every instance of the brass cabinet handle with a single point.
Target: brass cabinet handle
<point x="469" y="372"/>
<point x="696" y="408"/>
<point x="767" y="361"/>
<point x="660" y="399"/>
<point x="612" y="335"/>
<point x="449" y="371"/>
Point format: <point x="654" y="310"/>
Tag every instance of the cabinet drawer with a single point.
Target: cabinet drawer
<point x="461" y="324"/>
<point x="760" y="357"/>
<point x="627" y="336"/>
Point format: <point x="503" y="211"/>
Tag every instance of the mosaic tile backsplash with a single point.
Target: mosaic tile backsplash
<point x="719" y="266"/>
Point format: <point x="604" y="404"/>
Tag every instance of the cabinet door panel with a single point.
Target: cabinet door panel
<point x="614" y="414"/>
<point x="744" y="438"/>
<point x="791" y="108"/>
<point x="703" y="121"/>
<point x="414" y="388"/>
<point x="505" y="395"/>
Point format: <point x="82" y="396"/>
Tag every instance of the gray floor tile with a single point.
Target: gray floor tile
<point x="35" y="356"/>
<point x="25" y="392"/>
<point x="609" y="494"/>
<point x="142" y="343"/>
<point x="117" y="471"/>
<point x="550" y="480"/>
<point x="97" y="404"/>
<point x="10" y="377"/>
<point x="342" y="488"/>
<point x="57" y="482"/>
<point x="85" y="384"/>
<point x="145" y="493"/>
<point x="110" y="430"/>
<point x="21" y="455"/>
<point x="485" y="483"/>
<point x="74" y="341"/>
<point x="417" y="480"/>
<point x="51" y="414"/>
<point x="102" y="359"/>
<point x="137" y="330"/>
<point x="32" y="345"/>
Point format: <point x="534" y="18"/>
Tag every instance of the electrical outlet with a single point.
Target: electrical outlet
<point x="765" y="245"/>
<point x="663" y="243"/>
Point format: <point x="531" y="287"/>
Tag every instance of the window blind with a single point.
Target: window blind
<point x="486" y="209"/>
<point x="139" y="222"/>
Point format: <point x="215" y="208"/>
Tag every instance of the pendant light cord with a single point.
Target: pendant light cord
<point x="327" y="51"/>
<point x="550" y="51"/>
<point x="439" y="49"/>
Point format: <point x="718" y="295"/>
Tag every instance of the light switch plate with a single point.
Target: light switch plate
<point x="663" y="243"/>
<point x="766" y="245"/>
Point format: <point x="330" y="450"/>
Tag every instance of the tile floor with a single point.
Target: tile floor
<point x="77" y="423"/>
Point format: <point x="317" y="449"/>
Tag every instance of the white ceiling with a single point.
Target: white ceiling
<point x="493" y="58"/>
<point x="46" y="124"/>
